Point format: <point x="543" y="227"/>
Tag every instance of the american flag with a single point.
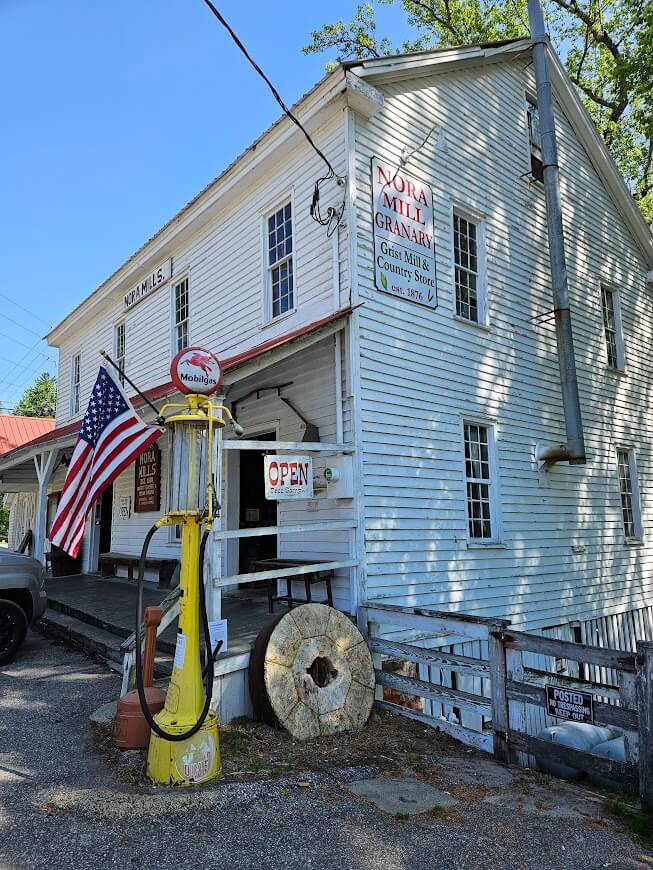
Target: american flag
<point x="111" y="437"/>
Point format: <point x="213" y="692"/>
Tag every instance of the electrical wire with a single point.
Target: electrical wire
<point x="333" y="216"/>
<point x="26" y="310"/>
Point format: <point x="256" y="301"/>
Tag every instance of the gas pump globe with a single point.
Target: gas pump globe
<point x="184" y="741"/>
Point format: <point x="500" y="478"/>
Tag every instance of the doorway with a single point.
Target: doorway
<point x="103" y="520"/>
<point x="255" y="510"/>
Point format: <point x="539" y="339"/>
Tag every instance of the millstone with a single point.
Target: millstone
<point x="317" y="672"/>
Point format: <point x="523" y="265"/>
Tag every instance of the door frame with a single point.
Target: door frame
<point x="231" y="460"/>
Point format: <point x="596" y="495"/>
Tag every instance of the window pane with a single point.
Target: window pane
<point x="280" y="235"/>
<point x="466" y="263"/>
<point x="610" y="327"/>
<point x="626" y="489"/>
<point x="477" y="472"/>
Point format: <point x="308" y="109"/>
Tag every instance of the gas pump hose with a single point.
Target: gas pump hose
<point x="208" y="670"/>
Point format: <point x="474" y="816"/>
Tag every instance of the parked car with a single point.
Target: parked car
<point x="22" y="599"/>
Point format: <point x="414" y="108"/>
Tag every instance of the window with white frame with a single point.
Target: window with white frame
<point x="180" y="292"/>
<point x="535" y="139"/>
<point x="75" y="384"/>
<point x="629" y="490"/>
<point x="119" y="349"/>
<point x="279" y="240"/>
<point x="614" y="342"/>
<point x="479" y="484"/>
<point x="470" y="303"/>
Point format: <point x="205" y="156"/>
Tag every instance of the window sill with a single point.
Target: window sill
<point x="634" y="542"/>
<point x="484" y="327"/>
<point x="274" y="320"/>
<point x="486" y="545"/>
<point x="617" y="373"/>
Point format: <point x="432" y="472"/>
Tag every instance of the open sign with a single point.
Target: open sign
<point x="288" y="477"/>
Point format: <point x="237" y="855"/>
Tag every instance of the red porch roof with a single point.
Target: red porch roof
<point x="16" y="431"/>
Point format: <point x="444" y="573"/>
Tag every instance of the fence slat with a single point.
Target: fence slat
<point x="475" y="739"/>
<point x="645" y="712"/>
<point x="435" y="621"/>
<point x="623" y="774"/>
<point x="540" y="678"/>
<point x="607" y="658"/>
<point x="443" y="694"/>
<point x="500" y="724"/>
<point x="442" y="660"/>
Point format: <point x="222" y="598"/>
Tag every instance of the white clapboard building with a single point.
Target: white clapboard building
<point x="390" y="346"/>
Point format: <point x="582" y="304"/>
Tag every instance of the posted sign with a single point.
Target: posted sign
<point x="570" y="705"/>
<point x="288" y="477"/>
<point x="404" y="258"/>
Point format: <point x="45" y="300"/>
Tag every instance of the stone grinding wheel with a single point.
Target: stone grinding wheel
<point x="311" y="672"/>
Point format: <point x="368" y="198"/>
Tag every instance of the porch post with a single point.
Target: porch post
<point x="213" y="569"/>
<point x="45" y="465"/>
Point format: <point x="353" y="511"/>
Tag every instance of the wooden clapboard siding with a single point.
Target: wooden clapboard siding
<point x="422" y="371"/>
<point x="226" y="266"/>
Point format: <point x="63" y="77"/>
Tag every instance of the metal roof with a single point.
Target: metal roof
<point x="16" y="431"/>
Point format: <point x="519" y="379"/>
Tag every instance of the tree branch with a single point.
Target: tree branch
<point x="599" y="34"/>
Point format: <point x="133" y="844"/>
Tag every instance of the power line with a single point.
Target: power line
<point x="333" y="215"/>
<point x="26" y="310"/>
<point x="5" y="316"/>
<point x="31" y="349"/>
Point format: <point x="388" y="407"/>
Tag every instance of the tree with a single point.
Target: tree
<point x="4" y="520"/>
<point x="40" y="399"/>
<point x="606" y="45"/>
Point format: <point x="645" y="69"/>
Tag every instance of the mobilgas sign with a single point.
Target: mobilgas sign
<point x="288" y="477"/>
<point x="570" y="705"/>
<point x="160" y="276"/>
<point x="196" y="370"/>
<point x="404" y="258"/>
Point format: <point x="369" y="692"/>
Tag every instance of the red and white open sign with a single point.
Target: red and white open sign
<point x="288" y="477"/>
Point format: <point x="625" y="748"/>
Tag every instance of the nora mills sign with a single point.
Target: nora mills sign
<point x="157" y="278"/>
<point x="404" y="259"/>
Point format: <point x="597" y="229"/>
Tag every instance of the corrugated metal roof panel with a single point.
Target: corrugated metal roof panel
<point x="16" y="431"/>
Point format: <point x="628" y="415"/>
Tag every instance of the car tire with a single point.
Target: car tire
<point x="13" y="628"/>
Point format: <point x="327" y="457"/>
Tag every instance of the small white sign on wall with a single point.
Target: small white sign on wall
<point x="125" y="507"/>
<point x="288" y="477"/>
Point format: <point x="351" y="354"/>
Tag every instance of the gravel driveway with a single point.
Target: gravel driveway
<point x="61" y="805"/>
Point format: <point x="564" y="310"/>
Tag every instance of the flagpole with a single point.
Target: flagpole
<point x="106" y="356"/>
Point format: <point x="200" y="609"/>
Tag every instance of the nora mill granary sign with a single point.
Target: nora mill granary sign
<point x="404" y="259"/>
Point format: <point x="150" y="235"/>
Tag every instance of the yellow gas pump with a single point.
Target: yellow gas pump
<point x="184" y="747"/>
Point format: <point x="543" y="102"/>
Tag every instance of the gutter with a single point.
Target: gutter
<point x="573" y="451"/>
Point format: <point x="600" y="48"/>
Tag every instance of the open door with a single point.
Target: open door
<point x="255" y="510"/>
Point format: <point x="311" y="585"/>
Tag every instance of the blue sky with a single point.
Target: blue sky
<point x="114" y="116"/>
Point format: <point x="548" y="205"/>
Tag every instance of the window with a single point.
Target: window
<point x="612" y="327"/>
<point x="535" y="139"/>
<point x="478" y="478"/>
<point x="469" y="286"/>
<point x="181" y="314"/>
<point x="120" y="349"/>
<point x="630" y="508"/>
<point x="75" y="386"/>
<point x="280" y="261"/>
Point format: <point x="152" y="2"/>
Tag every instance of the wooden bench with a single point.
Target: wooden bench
<point x="109" y="562"/>
<point x="316" y="576"/>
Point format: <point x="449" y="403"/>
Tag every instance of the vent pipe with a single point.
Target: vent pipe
<point x="574" y="449"/>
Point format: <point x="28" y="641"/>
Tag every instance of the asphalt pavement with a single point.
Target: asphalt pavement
<point x="61" y="805"/>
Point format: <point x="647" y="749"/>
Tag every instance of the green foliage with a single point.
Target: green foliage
<point x="606" y="45"/>
<point x="39" y="400"/>
<point x="4" y="520"/>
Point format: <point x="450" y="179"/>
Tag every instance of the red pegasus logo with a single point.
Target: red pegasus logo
<point x="202" y="361"/>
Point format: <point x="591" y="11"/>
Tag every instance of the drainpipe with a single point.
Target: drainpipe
<point x="574" y="449"/>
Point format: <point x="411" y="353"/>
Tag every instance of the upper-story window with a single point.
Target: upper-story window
<point x="181" y="314"/>
<point x="469" y="281"/>
<point x="119" y="349"/>
<point x="614" y="341"/>
<point x="482" y="510"/>
<point x="629" y="490"/>
<point x="75" y="384"/>
<point x="280" y="282"/>
<point x="535" y="139"/>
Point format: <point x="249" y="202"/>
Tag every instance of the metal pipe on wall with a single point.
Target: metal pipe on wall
<point x="574" y="450"/>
